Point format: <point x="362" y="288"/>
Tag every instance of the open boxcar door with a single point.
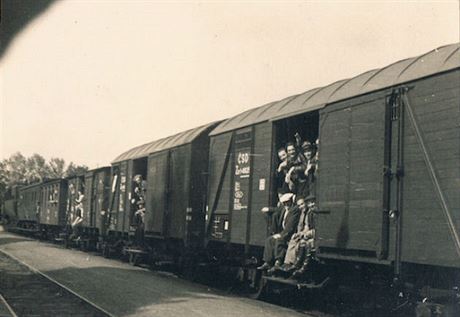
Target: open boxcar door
<point x="157" y="193"/>
<point x="350" y="185"/>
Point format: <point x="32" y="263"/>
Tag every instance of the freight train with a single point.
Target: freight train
<point x="387" y="189"/>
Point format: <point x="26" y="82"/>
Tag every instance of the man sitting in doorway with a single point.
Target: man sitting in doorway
<point x="301" y="245"/>
<point x="283" y="223"/>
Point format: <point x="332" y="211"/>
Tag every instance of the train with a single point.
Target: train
<point x="387" y="188"/>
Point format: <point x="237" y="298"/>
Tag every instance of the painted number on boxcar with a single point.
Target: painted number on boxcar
<point x="242" y="176"/>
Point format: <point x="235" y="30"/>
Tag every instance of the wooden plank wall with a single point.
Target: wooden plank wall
<point x="102" y="199"/>
<point x="54" y="212"/>
<point x="27" y="205"/>
<point x="157" y="179"/>
<point x="219" y="146"/>
<point x="179" y="190"/>
<point x="239" y="217"/>
<point x="114" y="197"/>
<point x="350" y="174"/>
<point x="128" y="205"/>
<point x="88" y="202"/>
<point x="122" y="196"/>
<point x="198" y="187"/>
<point x="426" y="235"/>
<point x="261" y="176"/>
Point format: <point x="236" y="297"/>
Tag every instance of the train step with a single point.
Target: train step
<point x="25" y="230"/>
<point x="136" y="251"/>
<point x="297" y="283"/>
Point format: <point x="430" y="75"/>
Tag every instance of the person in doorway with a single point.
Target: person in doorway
<point x="139" y="189"/>
<point x="306" y="250"/>
<point x="139" y="220"/>
<point x="281" y="171"/>
<point x="309" y="151"/>
<point x="78" y="219"/>
<point x="302" y="242"/>
<point x="284" y="220"/>
<point x="295" y="177"/>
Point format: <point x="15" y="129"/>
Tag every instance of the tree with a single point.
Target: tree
<point x="12" y="172"/>
<point x="14" y="169"/>
<point x="73" y="169"/>
<point x="37" y="168"/>
<point x="19" y="170"/>
<point x="56" y="166"/>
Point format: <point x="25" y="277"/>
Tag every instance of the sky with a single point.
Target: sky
<point x="88" y="80"/>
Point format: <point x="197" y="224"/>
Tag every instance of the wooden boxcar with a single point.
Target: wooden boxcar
<point x="389" y="170"/>
<point x="75" y="184"/>
<point x="29" y="206"/>
<point x="96" y="202"/>
<point x="175" y="171"/>
<point x="53" y="205"/>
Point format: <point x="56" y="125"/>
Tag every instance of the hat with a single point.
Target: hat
<point x="286" y="197"/>
<point x="307" y="146"/>
<point x="310" y="197"/>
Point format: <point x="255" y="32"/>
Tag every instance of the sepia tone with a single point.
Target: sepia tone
<point x="249" y="158"/>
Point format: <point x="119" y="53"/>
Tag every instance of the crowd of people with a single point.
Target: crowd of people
<point x="290" y="247"/>
<point x="296" y="172"/>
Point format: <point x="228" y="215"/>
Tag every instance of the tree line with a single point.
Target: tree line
<point x="21" y="170"/>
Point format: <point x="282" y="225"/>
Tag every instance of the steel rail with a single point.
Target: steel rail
<point x="86" y="300"/>
<point x="5" y="303"/>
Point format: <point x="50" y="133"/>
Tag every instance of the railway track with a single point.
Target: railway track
<point x="24" y="291"/>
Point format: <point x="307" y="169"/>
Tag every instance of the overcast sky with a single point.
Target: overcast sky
<point x="88" y="80"/>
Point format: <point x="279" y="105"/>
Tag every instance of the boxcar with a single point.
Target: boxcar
<point x="389" y="171"/>
<point x="53" y="205"/>
<point x="75" y="184"/>
<point x="96" y="202"/>
<point x="29" y="206"/>
<point x="175" y="171"/>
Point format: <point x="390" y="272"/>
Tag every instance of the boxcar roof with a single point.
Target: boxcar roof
<point x="163" y="144"/>
<point x="436" y="61"/>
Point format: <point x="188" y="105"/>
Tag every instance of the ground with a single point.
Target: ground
<point x="124" y="290"/>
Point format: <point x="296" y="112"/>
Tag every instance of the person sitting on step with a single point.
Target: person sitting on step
<point x="305" y="232"/>
<point x="306" y="249"/>
<point x="283" y="223"/>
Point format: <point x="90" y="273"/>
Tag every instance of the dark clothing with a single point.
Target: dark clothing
<point x="137" y="199"/>
<point x="304" y="237"/>
<point x="139" y="223"/>
<point x="275" y="249"/>
<point x="139" y="192"/>
<point x="285" y="225"/>
<point x="139" y="234"/>
<point x="298" y="179"/>
<point x="287" y="228"/>
<point x="311" y="176"/>
<point x="281" y="185"/>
